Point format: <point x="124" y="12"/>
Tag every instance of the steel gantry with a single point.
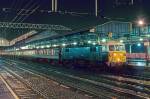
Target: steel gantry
<point x="33" y="26"/>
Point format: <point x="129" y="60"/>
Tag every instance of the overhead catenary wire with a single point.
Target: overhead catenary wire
<point x="28" y="12"/>
<point x="14" y="5"/>
<point x="31" y="10"/>
<point x="19" y="13"/>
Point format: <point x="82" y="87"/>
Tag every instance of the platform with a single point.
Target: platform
<point x="138" y="62"/>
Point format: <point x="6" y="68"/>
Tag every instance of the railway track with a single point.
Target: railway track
<point x="133" y="76"/>
<point x="48" y="89"/>
<point x="129" y="92"/>
<point x="79" y="87"/>
<point x="18" y="88"/>
<point x="123" y="79"/>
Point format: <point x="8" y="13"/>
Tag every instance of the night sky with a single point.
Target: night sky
<point x="106" y="7"/>
<point x="107" y="10"/>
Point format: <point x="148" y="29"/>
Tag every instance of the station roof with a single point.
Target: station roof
<point x="72" y="22"/>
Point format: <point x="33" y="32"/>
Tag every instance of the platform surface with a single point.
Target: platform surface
<point x="4" y="91"/>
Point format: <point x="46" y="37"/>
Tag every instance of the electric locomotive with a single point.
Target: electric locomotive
<point x="111" y="53"/>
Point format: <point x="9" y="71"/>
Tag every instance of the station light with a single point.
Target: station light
<point x="139" y="44"/>
<point x="63" y="44"/>
<point x="89" y="42"/>
<point x="24" y="47"/>
<point x="42" y="46"/>
<point x="74" y="43"/>
<point x="103" y="40"/>
<point x="141" y="39"/>
<point x="48" y="46"/>
<point x="94" y="43"/>
<point x="17" y="49"/>
<point x="141" y="22"/>
<point x="121" y="41"/>
<point x="54" y="45"/>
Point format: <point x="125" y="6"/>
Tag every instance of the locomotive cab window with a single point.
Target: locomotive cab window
<point x="116" y="48"/>
<point x="120" y="48"/>
<point x="111" y="48"/>
<point x="104" y="48"/>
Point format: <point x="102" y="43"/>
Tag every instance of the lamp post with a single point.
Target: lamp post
<point x="141" y="23"/>
<point x="96" y="8"/>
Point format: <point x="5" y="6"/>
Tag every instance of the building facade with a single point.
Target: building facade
<point x="116" y="28"/>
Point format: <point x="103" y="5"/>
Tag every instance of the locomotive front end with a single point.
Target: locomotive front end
<point x="116" y="55"/>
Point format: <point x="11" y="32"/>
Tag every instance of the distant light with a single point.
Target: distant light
<point x="89" y="41"/>
<point x="103" y="40"/>
<point x="121" y="41"/>
<point x="42" y="46"/>
<point x="94" y="43"/>
<point x="24" y="47"/>
<point x="63" y="44"/>
<point x="141" y="22"/>
<point x="141" y="39"/>
<point x="75" y="43"/>
<point x="47" y="46"/>
<point x="37" y="47"/>
<point x="17" y="49"/>
<point x="54" y="45"/>
<point x="139" y="44"/>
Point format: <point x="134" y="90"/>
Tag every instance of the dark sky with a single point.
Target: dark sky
<point x="74" y="5"/>
<point x="107" y="8"/>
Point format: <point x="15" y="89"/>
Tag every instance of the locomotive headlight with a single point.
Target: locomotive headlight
<point x="121" y="54"/>
<point x="118" y="59"/>
<point x="114" y="54"/>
